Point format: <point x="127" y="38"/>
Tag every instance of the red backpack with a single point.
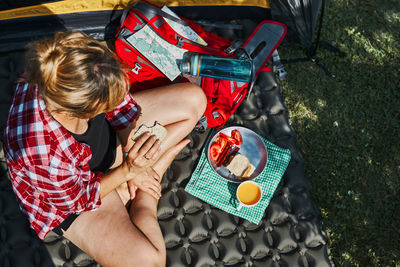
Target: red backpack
<point x="223" y="96"/>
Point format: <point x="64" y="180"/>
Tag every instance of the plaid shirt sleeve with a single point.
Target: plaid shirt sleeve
<point x="124" y="113"/>
<point x="48" y="168"/>
<point x="69" y="190"/>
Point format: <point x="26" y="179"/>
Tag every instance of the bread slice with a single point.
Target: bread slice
<point x="157" y="129"/>
<point x="248" y="172"/>
<point x="238" y="165"/>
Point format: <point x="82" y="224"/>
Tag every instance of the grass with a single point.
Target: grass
<point x="349" y="129"/>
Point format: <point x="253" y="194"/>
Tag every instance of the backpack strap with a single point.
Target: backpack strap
<point x="124" y="14"/>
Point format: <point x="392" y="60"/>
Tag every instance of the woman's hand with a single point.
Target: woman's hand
<point x="139" y="162"/>
<point x="162" y="163"/>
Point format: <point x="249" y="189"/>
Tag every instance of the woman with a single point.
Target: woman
<point x="68" y="129"/>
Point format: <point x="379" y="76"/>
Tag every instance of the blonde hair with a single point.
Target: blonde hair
<point x="76" y="74"/>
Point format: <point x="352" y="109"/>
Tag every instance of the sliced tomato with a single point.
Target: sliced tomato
<point x="237" y="136"/>
<point x="222" y="135"/>
<point x="215" y="151"/>
<point x="229" y="139"/>
<point x="220" y="140"/>
<point x="223" y="145"/>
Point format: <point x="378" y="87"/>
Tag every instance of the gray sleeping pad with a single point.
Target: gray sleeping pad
<point x="195" y="233"/>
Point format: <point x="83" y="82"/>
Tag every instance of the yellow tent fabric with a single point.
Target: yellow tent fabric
<point x="71" y="6"/>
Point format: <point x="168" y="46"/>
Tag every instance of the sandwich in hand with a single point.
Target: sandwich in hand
<point x="157" y="129"/>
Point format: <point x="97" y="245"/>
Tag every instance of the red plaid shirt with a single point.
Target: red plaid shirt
<point x="49" y="169"/>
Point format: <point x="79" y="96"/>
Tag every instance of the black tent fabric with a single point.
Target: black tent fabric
<point x="195" y="233"/>
<point x="16" y="33"/>
<point x="304" y="19"/>
<point x="11" y="4"/>
<point x="300" y="17"/>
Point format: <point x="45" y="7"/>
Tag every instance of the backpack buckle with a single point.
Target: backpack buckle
<point x="278" y="65"/>
<point x="201" y="125"/>
<point x="136" y="68"/>
<point x="235" y="45"/>
<point x="180" y="41"/>
<point x="216" y="115"/>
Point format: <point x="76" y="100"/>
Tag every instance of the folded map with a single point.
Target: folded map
<point x="183" y="30"/>
<point x="158" y="51"/>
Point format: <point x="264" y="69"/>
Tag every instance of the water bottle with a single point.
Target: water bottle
<point x="218" y="67"/>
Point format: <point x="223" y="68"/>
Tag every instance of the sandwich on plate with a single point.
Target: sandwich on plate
<point x="240" y="166"/>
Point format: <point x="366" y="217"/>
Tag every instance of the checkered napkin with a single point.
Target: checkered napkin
<point x="211" y="188"/>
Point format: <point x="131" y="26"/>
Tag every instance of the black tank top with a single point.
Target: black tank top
<point x="101" y="138"/>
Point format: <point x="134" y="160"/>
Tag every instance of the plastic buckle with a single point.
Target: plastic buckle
<point x="281" y="72"/>
<point x="123" y="32"/>
<point x="233" y="47"/>
<point x="278" y="65"/>
<point x="201" y="125"/>
<point x="275" y="56"/>
<point x="215" y="115"/>
<point x="136" y="68"/>
<point x="180" y="41"/>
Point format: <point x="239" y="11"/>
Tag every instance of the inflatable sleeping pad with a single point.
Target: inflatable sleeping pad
<point x="195" y="233"/>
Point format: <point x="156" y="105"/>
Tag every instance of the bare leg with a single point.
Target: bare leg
<point x="178" y="107"/>
<point x="143" y="214"/>
<point x="114" y="238"/>
<point x="109" y="236"/>
<point x="143" y="211"/>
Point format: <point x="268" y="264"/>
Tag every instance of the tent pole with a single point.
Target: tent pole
<point x="316" y="43"/>
<point x="324" y="44"/>
<point x="311" y="54"/>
